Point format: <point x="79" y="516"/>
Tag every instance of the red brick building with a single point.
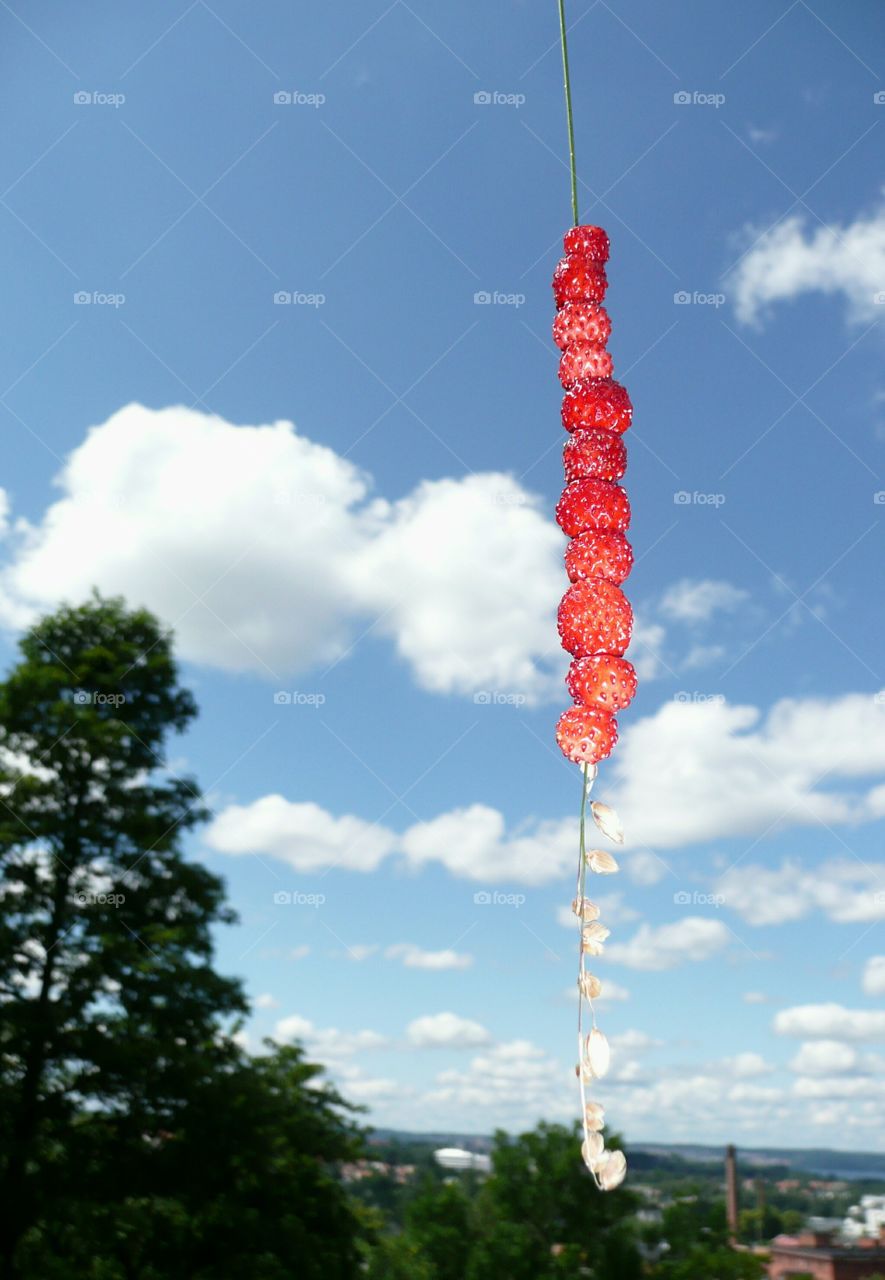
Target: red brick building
<point x="814" y="1254"/>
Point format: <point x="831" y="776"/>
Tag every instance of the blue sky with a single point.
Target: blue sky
<point x="391" y="559"/>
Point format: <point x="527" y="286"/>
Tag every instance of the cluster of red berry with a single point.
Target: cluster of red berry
<point x="595" y="618"/>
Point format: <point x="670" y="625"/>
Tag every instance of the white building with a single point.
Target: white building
<point x="455" y="1158"/>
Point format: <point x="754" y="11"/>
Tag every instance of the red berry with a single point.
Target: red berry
<point x="602" y="680"/>
<point x="581" y="322"/>
<point x="598" y="555"/>
<point x="592" y="504"/>
<point x="591" y="241"/>
<point x="594" y="617"/>
<point x="598" y="403"/>
<point x="583" y="360"/>
<point x="586" y="734"/>
<point x="578" y="278"/>
<point x="594" y="454"/>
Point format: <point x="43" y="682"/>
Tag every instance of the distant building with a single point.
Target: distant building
<point x="456" y="1158"/>
<point x="815" y="1254"/>
<point x="866" y="1218"/>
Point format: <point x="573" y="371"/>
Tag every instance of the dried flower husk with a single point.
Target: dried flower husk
<point x="593" y="935"/>
<point x="597" y="1053"/>
<point x="592" y="1149"/>
<point x="584" y="909"/>
<point x="594" y="1117"/>
<point x="589" y="986"/>
<point x="608" y="821"/>
<point x="611" y="1170"/>
<point x="602" y="862"/>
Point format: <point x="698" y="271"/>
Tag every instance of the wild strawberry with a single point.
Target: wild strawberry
<point x="601" y="402"/>
<point x="591" y="241"/>
<point x="581" y="322"/>
<point x="583" y="360"/>
<point x="592" y="504"/>
<point x="578" y="278"/>
<point x="602" y="680"/>
<point x="598" y="554"/>
<point x="594" y="617"/>
<point x="586" y="734"/>
<point x="594" y="454"/>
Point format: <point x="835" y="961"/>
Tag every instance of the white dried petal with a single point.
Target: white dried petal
<point x="589" y="986"/>
<point x="584" y="909"/>
<point x="611" y="1170"/>
<point x="593" y="935"/>
<point x="592" y="1149"/>
<point x="597" y="1053"/>
<point x="590" y="772"/>
<point x="594" y="1117"/>
<point x="608" y="821"/>
<point x="602" y="862"/>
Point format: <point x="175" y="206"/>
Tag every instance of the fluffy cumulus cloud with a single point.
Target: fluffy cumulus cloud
<point x="824" y="1058"/>
<point x="698" y="601"/>
<point x="794" y="258"/>
<point x="415" y="957"/>
<point x="667" y="946"/>
<point x="268" y="552"/>
<point x="831" y="1022"/>
<point x="703" y="770"/>
<point x="845" y="890"/>
<point x="690" y="772"/>
<point x="446" y="1031"/>
<point x="874" y="976"/>
<point x="327" y="1043"/>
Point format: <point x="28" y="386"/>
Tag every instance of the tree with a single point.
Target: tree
<point x="539" y="1183"/>
<point x="136" y="1139"/>
<point x="438" y="1221"/>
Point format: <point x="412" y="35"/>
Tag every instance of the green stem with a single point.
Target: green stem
<point x="568" y="111"/>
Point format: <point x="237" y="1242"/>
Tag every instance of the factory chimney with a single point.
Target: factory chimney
<point x="731" y="1192"/>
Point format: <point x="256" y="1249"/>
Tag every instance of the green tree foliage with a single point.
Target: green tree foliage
<point x="137" y="1142"/>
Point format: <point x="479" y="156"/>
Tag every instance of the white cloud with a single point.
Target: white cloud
<point x="512" y="1085"/>
<point x="791" y="259"/>
<point x="831" y="1022"/>
<point x="697" y="601"/>
<point x="746" y="1065"/>
<point x="414" y="957"/>
<point x="755" y="997"/>
<point x="299" y="952"/>
<point x="874" y="976"/>
<point x="267" y="552"/>
<point x="446" y="1031"/>
<point x="847" y="891"/>
<point x="265" y="1001"/>
<point x="360" y="951"/>
<point x="693" y="938"/>
<point x="474" y="843"/>
<point x="702" y="770"/>
<point x="303" y="835"/>
<point x="328" y="1043"/>
<point x="824" y="1058"/>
